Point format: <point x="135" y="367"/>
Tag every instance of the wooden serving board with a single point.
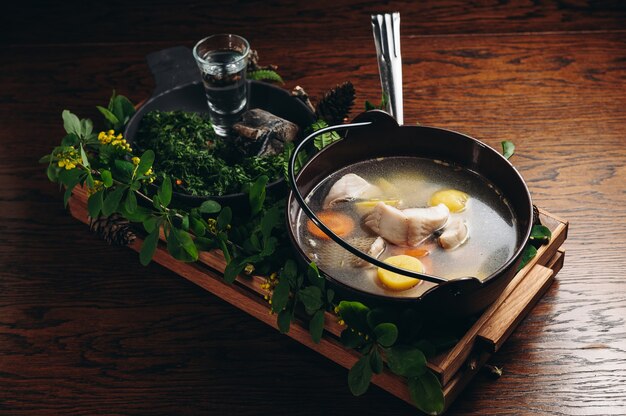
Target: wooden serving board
<point x="455" y="367"/>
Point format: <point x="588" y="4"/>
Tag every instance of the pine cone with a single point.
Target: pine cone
<point x="114" y="229"/>
<point x="336" y="104"/>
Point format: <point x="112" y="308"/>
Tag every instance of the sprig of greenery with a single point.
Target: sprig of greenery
<point x="325" y="139"/>
<point x="382" y="106"/>
<point x="265" y="75"/>
<point x="372" y="332"/>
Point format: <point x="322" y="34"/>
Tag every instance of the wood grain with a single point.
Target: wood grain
<point x="85" y="329"/>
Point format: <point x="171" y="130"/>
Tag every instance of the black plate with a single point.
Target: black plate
<point x="179" y="87"/>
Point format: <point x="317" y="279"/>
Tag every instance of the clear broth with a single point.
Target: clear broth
<point x="493" y="235"/>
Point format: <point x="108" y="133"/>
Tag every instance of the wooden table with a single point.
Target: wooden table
<point x="85" y="329"/>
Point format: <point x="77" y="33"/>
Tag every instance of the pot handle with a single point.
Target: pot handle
<point x="172" y="67"/>
<point x="309" y="212"/>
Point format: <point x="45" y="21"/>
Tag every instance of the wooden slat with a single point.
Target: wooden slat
<point x="516" y="307"/>
<point x="448" y="364"/>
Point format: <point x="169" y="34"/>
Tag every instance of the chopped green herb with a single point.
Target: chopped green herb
<point x="198" y="161"/>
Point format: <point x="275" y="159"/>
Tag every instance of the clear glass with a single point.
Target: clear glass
<point x="222" y="60"/>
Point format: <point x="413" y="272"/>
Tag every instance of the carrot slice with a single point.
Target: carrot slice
<point x="339" y="223"/>
<point x="416" y="252"/>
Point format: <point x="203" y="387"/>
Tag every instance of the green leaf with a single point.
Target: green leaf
<point x="325" y="139"/>
<point x="265" y="75"/>
<point x="123" y="171"/>
<point x="94" y="204"/>
<point x="71" y="123"/>
<point x="426" y="393"/>
<point x="376" y="361"/>
<point x="140" y="214"/>
<point x="197" y="226"/>
<point x="122" y="108"/>
<point x="508" y="148"/>
<point x="109" y="116"/>
<point x="257" y="194"/>
<point x="289" y="272"/>
<point x="233" y="269"/>
<point x="150" y="223"/>
<point x="70" y="140"/>
<point x="89" y="180"/>
<point x="528" y="254"/>
<point x="351" y="339"/>
<point x="53" y="172"/>
<point x="112" y="200"/>
<point x="284" y="320"/>
<point x="86" y="127"/>
<point x="300" y="161"/>
<point x="369" y="106"/>
<point x="311" y="298"/>
<point x="386" y="334"/>
<point x="406" y="361"/>
<point x="313" y="275"/>
<point x="71" y="177"/>
<point x="67" y="195"/>
<point x="280" y="297"/>
<point x="359" y="376"/>
<point x="330" y="295"/>
<point x="145" y="162"/>
<point x="354" y="314"/>
<point x="205" y="244"/>
<point x="83" y="157"/>
<point x="224" y="218"/>
<point x="210" y="207"/>
<point x="541" y="234"/>
<point x="181" y="246"/>
<point x="106" y="177"/>
<point x="270" y="220"/>
<point x="184" y="222"/>
<point x="131" y="202"/>
<point x="380" y="315"/>
<point x="149" y="247"/>
<point x="316" y="326"/>
<point x="165" y="191"/>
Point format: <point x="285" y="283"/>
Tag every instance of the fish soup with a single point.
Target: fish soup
<point x="423" y="215"/>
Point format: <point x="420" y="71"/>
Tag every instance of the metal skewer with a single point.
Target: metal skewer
<point x="386" y="28"/>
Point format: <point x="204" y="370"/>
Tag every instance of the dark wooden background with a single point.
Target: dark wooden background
<point x="85" y="329"/>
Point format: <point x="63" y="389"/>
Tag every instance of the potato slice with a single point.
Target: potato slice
<point x="455" y="200"/>
<point x="398" y="282"/>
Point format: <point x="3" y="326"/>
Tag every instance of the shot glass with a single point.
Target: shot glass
<point x="222" y="60"/>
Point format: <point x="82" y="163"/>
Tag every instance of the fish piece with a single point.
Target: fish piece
<point x="422" y="222"/>
<point x="455" y="234"/>
<point x="408" y="227"/>
<point x="331" y="254"/>
<point x="350" y="187"/>
<point x="376" y="249"/>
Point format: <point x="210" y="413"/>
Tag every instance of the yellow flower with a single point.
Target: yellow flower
<point x="68" y="159"/>
<point x="135" y="160"/>
<point x="97" y="186"/>
<point x="115" y="141"/>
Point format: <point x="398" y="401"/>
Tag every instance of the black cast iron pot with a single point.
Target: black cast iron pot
<point x="375" y="134"/>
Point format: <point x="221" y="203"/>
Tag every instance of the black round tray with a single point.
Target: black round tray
<point x="179" y="87"/>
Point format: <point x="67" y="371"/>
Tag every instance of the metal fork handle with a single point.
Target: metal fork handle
<point x="386" y="28"/>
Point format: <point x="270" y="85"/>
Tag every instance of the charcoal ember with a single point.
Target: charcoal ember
<point x="266" y="132"/>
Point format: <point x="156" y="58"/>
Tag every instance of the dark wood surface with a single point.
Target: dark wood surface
<point x="85" y="329"/>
